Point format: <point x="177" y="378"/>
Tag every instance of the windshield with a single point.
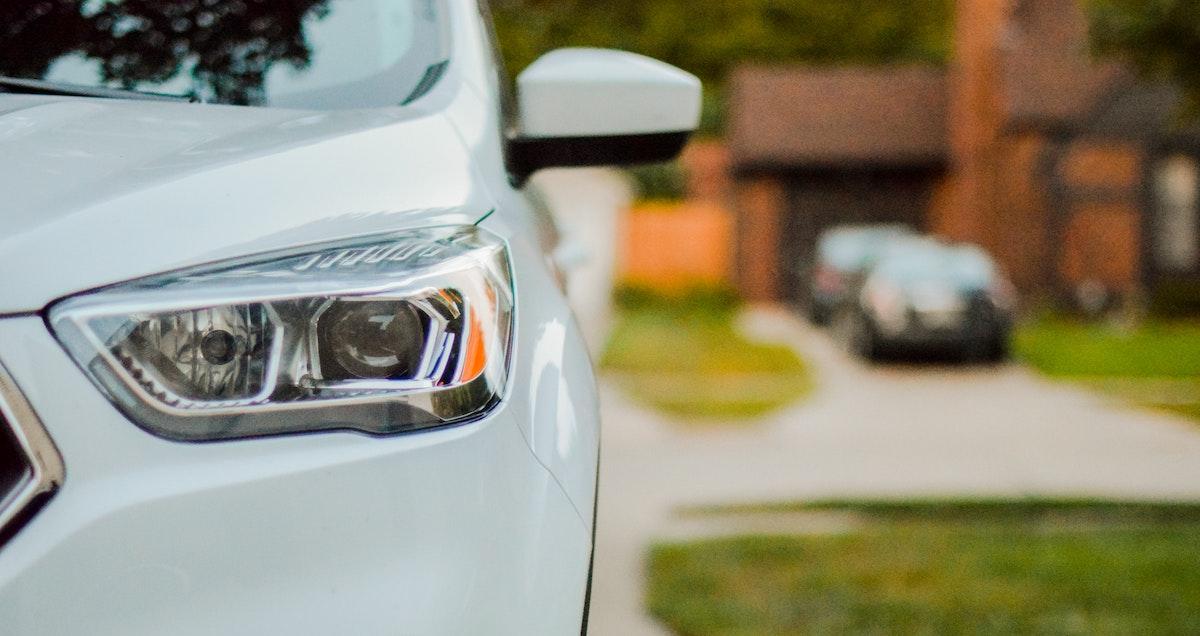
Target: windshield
<point x="962" y="268"/>
<point x="294" y="53"/>
<point x="850" y="249"/>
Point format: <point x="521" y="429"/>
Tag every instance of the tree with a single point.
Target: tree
<point x="225" y="46"/>
<point x="710" y="38"/>
<point x="228" y="45"/>
<point x="34" y="33"/>
<point x="1161" y="38"/>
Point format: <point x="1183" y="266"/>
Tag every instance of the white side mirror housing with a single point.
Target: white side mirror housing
<point x="585" y="107"/>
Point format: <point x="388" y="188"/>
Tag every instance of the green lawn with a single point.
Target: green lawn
<point x="944" y="567"/>
<point x="1067" y="348"/>
<point x="687" y="359"/>
<point x="1156" y="364"/>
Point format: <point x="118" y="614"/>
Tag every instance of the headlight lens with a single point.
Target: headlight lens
<point x="888" y="305"/>
<point x="384" y="335"/>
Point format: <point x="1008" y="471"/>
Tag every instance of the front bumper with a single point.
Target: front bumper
<point x="451" y="531"/>
<point x="935" y="333"/>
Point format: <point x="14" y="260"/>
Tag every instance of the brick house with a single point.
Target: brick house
<point x="1067" y="169"/>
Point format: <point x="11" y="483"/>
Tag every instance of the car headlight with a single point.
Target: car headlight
<point x="383" y="335"/>
<point x="887" y="304"/>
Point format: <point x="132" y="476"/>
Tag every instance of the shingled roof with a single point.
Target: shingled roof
<point x="835" y="117"/>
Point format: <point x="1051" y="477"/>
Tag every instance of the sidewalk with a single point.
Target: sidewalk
<point x="872" y="432"/>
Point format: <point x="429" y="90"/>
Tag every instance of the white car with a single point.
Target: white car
<point x="301" y="367"/>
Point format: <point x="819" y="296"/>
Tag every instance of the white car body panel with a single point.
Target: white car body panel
<point x="309" y="534"/>
<point x="216" y="182"/>
<point x="484" y="527"/>
<point x="463" y="530"/>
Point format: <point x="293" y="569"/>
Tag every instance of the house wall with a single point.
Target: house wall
<point x="1054" y="211"/>
<point x="1101" y="198"/>
<point x="997" y="195"/>
<point x="1056" y="207"/>
<point x="706" y="168"/>
<point x="975" y="121"/>
<point x="760" y="201"/>
<point x="1022" y="234"/>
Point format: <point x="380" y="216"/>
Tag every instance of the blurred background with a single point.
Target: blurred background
<point x="908" y="339"/>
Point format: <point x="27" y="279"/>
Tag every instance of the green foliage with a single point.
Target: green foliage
<point x="974" y="510"/>
<point x="704" y="302"/>
<point x="1044" y="568"/>
<point x="660" y="181"/>
<point x="1160" y="37"/>
<point x="226" y="46"/>
<point x="707" y="38"/>
<point x="682" y="355"/>
<point x="710" y="38"/>
<point x="690" y="343"/>
<point x="712" y="113"/>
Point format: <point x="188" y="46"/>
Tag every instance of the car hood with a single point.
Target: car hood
<point x="96" y="191"/>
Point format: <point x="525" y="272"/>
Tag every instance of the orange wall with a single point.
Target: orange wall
<point x="673" y="246"/>
<point x="1101" y="245"/>
<point x="1102" y="237"/>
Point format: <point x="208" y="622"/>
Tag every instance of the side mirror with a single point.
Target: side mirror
<point x="594" y="107"/>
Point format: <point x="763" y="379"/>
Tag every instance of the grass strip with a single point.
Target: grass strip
<point x="688" y="360"/>
<point x="956" y="566"/>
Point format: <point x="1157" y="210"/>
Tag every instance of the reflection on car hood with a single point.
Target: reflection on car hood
<point x="97" y="190"/>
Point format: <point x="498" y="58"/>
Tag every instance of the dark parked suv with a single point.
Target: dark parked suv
<point x="925" y="297"/>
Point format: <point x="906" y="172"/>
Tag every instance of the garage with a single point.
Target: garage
<point x="837" y="146"/>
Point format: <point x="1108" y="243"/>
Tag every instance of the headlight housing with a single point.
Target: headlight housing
<point x="888" y="305"/>
<point x="381" y="335"/>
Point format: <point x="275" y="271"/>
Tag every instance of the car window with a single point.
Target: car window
<point x="849" y="250"/>
<point x="302" y="53"/>
<point x="962" y="268"/>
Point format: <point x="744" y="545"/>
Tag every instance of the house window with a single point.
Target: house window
<point x="1176" y="226"/>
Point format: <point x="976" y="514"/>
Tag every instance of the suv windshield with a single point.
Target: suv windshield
<point x="965" y="268"/>
<point x="293" y="53"/>
<point x="850" y="248"/>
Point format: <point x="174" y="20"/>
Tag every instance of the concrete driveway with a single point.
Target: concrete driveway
<point x="888" y="431"/>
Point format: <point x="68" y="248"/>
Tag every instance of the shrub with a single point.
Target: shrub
<point x="660" y="181"/>
<point x="714" y="300"/>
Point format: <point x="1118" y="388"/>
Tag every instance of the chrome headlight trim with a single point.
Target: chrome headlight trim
<point x="46" y="469"/>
